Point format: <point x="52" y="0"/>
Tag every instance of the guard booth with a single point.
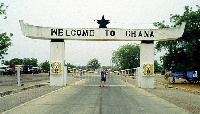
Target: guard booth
<point x="57" y="37"/>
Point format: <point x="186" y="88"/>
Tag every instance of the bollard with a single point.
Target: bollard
<point x="18" y="76"/>
<point x="65" y="76"/>
<point x="79" y="75"/>
<point x="94" y="77"/>
<point x="126" y="78"/>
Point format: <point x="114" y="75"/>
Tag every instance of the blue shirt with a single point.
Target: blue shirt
<point x="103" y="75"/>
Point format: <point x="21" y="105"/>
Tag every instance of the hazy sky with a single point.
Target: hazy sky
<point x="82" y="14"/>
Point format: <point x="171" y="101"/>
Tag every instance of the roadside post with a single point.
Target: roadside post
<point x="88" y="75"/>
<point x="94" y="76"/>
<point x="18" y="76"/>
<point x="138" y="77"/>
<point x="80" y="72"/>
<point x="126" y="75"/>
<point x="65" y="76"/>
<point x="118" y="75"/>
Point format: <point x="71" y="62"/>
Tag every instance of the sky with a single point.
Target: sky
<point x="130" y="14"/>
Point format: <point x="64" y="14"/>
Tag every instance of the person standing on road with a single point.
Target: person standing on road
<point x="103" y="77"/>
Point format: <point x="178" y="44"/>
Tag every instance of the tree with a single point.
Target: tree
<point x="70" y="65"/>
<point x="183" y="52"/>
<point x="3" y="10"/>
<point x="5" y="40"/>
<point x="82" y="67"/>
<point x="28" y="61"/>
<point x="45" y="65"/>
<point x="15" y="61"/>
<point x="93" y="64"/>
<point x="157" y="67"/>
<point x="25" y="61"/>
<point x="127" y="56"/>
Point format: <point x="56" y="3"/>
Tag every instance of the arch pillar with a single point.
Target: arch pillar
<point x="146" y="77"/>
<point x="57" y="54"/>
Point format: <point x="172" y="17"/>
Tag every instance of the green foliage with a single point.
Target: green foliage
<point x="3" y="10"/>
<point x="185" y="50"/>
<point x="93" y="64"/>
<point x="127" y="56"/>
<point x="107" y="67"/>
<point x="5" y="40"/>
<point x="160" y="24"/>
<point x="70" y="65"/>
<point x="25" y="61"/>
<point x="30" y="61"/>
<point x="112" y="68"/>
<point x="45" y="65"/>
<point x="157" y="67"/>
<point x="15" y="61"/>
<point x="82" y="67"/>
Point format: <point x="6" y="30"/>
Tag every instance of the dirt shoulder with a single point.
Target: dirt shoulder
<point x="180" y="83"/>
<point x="33" y="90"/>
<point x="176" y="96"/>
<point x="9" y="83"/>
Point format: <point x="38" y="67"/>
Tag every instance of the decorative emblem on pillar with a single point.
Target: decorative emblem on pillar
<point x="148" y="69"/>
<point x="56" y="68"/>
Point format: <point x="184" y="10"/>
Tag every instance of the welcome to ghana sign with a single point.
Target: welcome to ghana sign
<point x="101" y="34"/>
<point x="57" y="45"/>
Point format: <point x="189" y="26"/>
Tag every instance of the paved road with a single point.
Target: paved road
<point x="85" y="97"/>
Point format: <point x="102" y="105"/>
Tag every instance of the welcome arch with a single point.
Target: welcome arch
<point x="57" y="45"/>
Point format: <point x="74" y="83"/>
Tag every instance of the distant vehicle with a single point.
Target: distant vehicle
<point x="11" y="69"/>
<point x="4" y="70"/>
<point x="27" y="69"/>
<point x="190" y="76"/>
<point x="69" y="71"/>
<point x="35" y="70"/>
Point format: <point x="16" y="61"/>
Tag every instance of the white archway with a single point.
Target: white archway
<point x="58" y="35"/>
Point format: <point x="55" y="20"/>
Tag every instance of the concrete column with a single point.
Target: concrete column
<point x="138" y="77"/>
<point x="65" y="75"/>
<point x="57" y="54"/>
<point x="147" y="64"/>
<point x="18" y="76"/>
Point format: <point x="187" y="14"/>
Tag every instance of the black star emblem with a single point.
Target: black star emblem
<point x="102" y="23"/>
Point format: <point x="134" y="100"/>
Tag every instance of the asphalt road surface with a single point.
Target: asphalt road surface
<point x="86" y="97"/>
